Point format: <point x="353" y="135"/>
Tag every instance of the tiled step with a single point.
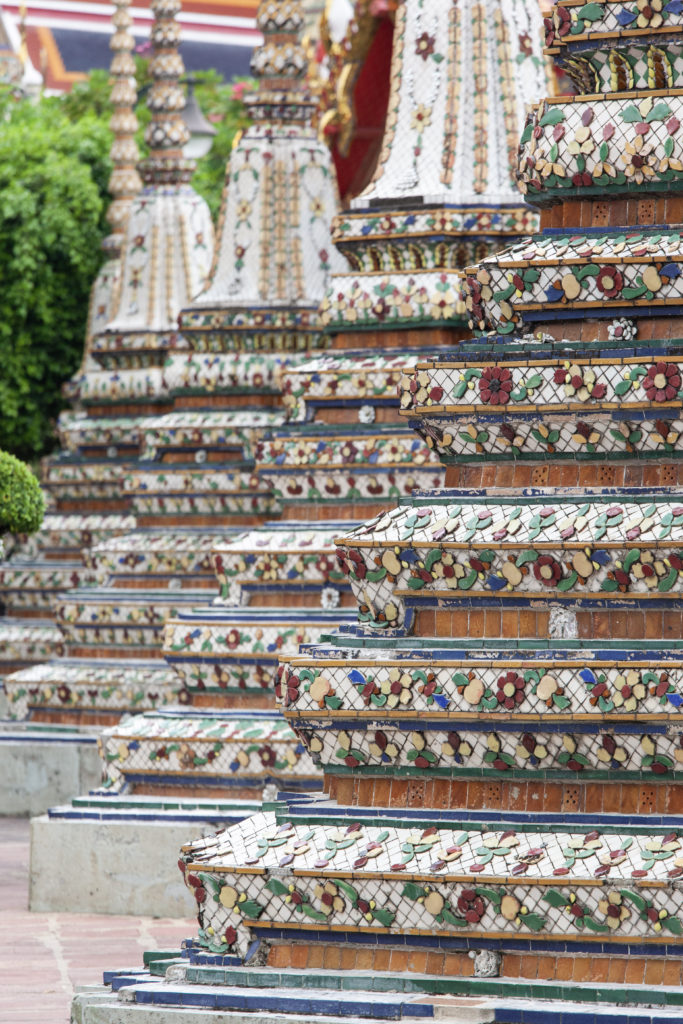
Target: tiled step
<point x="24" y="641"/>
<point x="332" y="1002"/>
<point x="116" y="807"/>
<point x="106" y="615"/>
<point x="213" y="748"/>
<point x="78" y="684"/>
<point x="33" y="585"/>
<point x="370" y="982"/>
<point x="170" y="552"/>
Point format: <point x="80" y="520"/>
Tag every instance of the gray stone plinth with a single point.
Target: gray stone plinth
<point x="40" y="769"/>
<point x="109" y="867"/>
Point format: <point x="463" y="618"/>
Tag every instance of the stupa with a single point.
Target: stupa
<point x="343" y="453"/>
<point x="502" y="755"/>
<point x="165" y="258"/>
<point x="36" y="573"/>
<point x="194" y="486"/>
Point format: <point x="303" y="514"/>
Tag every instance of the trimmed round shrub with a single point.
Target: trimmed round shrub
<point x="22" y="504"/>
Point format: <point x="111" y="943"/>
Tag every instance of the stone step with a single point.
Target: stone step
<point x="536" y="1003"/>
<point x="332" y="1002"/>
<point x="410" y="984"/>
<point x="99" y="1006"/>
<point x="115" y="807"/>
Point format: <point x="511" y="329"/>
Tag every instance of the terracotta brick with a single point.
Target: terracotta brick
<point x="635" y="972"/>
<point x="654" y="972"/>
<point x="527" y="622"/>
<point x="399" y="960"/>
<point x="510" y="624"/>
<point x="298" y="955"/>
<point x="344" y="790"/>
<point x="599" y="968"/>
<point x="348" y="959"/>
<point x="582" y="968"/>
<point x="616" y="970"/>
<point x="546" y="968"/>
<point x="441" y="790"/>
<point x="415" y="795"/>
<point x="435" y="963"/>
<point x="316" y="955"/>
<point x="382" y="959"/>
<point x="512" y="965"/>
<point x="628" y="798"/>
<point x="417" y="962"/>
<point x="552" y="797"/>
<point x="382" y="792"/>
<point x="332" y="958"/>
<point x="278" y="956"/>
<point x="674" y="798"/>
<point x="476" y="623"/>
<point x="594" y="797"/>
<point x="458" y="794"/>
<point x="492" y="623"/>
<point x="528" y="967"/>
<point x="515" y="796"/>
<point x="399" y="792"/>
<point x="442" y="623"/>
<point x="534" y="799"/>
<point x="563" y="968"/>
<point x="459" y="624"/>
<point x="672" y="972"/>
<point x="457" y="965"/>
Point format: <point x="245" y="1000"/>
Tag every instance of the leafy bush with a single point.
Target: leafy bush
<point x="22" y="505"/>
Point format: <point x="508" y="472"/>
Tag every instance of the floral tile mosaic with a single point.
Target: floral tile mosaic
<point x="287" y="556"/>
<point x="75" y="686"/>
<point x="367" y="683"/>
<point x="460" y="880"/>
<point x="570" y="548"/>
<point x="200" y="746"/>
<point x="238" y="654"/>
<point x="173" y="552"/>
<point x="28" y="640"/>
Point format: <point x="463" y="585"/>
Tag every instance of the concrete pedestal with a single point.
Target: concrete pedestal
<point x="39" y="768"/>
<point x="110" y="867"/>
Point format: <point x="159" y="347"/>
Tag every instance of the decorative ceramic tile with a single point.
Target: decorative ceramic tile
<point x="568" y="548"/>
<point x="69" y="686"/>
<point x="447" y="880"/>
<point x="200" y="746"/>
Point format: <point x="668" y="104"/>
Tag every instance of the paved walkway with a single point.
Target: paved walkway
<point x="43" y="957"/>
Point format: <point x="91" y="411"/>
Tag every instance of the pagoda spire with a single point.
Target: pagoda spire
<point x="124" y="182"/>
<point x="444" y="191"/>
<point x="169" y="241"/>
<point x="274" y="253"/>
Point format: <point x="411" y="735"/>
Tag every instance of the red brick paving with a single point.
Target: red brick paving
<point x="43" y="957"/>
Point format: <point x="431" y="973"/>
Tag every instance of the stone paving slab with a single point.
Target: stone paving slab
<point x="44" y="957"/>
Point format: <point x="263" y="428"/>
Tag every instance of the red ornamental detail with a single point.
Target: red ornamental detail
<point x="495" y="385"/>
<point x="510" y="689"/>
<point x="662" y="382"/>
<point x="471" y="906"/>
<point x="609" y="281"/>
<point x="548" y="571"/>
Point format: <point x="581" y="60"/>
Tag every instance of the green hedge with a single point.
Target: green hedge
<point x="22" y="505"/>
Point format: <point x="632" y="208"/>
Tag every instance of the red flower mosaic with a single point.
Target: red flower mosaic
<point x="471" y="906"/>
<point x="662" y="382"/>
<point x="548" y="571"/>
<point x="510" y="689"/>
<point x="609" y="281"/>
<point x="495" y="385"/>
